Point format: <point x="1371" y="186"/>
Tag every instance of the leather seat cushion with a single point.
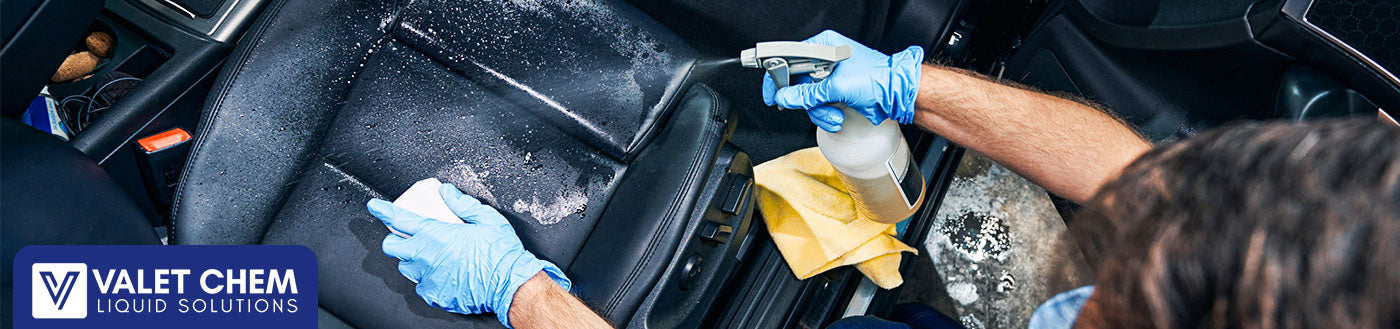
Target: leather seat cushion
<point x="355" y="84"/>
<point x="537" y="108"/>
<point x="623" y="257"/>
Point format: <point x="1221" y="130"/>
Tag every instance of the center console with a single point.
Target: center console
<point x="176" y="56"/>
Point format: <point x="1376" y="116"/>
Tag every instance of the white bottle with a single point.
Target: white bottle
<point x="875" y="163"/>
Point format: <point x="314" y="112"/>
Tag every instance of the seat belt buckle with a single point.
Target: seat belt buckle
<point x="163" y="140"/>
<point x="161" y="160"/>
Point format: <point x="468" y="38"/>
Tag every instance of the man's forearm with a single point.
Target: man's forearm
<point x="540" y="303"/>
<point x="1069" y="148"/>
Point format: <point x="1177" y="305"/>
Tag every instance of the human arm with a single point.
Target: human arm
<point x="1067" y="147"/>
<point x="542" y="304"/>
<point x="473" y="267"/>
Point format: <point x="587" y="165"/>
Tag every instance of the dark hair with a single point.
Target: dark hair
<point x="1257" y="225"/>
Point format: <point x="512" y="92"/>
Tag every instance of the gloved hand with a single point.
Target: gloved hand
<point x="469" y="268"/>
<point x="878" y="86"/>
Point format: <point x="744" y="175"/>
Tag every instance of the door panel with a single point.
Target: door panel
<point x="1171" y="74"/>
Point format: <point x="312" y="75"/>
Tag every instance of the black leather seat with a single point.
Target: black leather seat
<point x="576" y="120"/>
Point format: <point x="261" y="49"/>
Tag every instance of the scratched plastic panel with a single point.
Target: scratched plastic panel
<point x="408" y="117"/>
<point x="597" y="71"/>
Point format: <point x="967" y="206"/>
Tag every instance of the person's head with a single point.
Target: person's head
<point x="1259" y="225"/>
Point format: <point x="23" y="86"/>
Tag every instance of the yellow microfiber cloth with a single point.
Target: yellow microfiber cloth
<point x="814" y="221"/>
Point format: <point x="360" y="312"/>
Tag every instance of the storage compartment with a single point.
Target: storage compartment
<point x="155" y="77"/>
<point x="132" y="59"/>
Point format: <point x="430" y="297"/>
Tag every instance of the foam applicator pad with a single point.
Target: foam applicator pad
<point x="100" y="43"/>
<point x="424" y="199"/>
<point x="76" y="65"/>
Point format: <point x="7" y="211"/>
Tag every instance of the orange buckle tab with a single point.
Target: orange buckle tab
<point x="163" y="140"/>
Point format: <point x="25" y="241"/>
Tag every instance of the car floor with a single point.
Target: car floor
<point x="997" y="249"/>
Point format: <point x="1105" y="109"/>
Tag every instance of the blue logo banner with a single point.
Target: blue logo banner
<point x="164" y="286"/>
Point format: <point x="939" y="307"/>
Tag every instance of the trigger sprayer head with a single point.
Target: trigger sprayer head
<point x="782" y="59"/>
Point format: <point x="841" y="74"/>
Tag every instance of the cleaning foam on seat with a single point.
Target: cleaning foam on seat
<point x="424" y="199"/>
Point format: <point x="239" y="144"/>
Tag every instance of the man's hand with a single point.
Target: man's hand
<point x="878" y="86"/>
<point x="1067" y="147"/>
<point x="470" y="268"/>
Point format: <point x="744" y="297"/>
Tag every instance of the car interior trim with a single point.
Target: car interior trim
<point x="1297" y="11"/>
<point x="179" y="8"/>
<point x="860" y="301"/>
<point x="231" y="18"/>
<point x="1198" y="36"/>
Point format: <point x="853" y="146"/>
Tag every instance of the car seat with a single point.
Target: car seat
<point x="577" y="120"/>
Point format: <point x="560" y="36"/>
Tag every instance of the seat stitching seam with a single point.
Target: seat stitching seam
<point x="216" y="109"/>
<point x="223" y="94"/>
<point x="354" y="178"/>
<point x="336" y="170"/>
<point x="655" y="238"/>
<point x="671" y="213"/>
<point x="320" y="137"/>
<point x="652" y="130"/>
<point x="626" y="155"/>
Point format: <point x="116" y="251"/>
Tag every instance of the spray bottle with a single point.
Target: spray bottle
<point x="873" y="160"/>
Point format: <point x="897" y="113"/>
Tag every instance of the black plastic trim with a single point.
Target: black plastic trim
<point x="194" y="58"/>
<point x="696" y="280"/>
<point x="32" y="54"/>
<point x="1294" y="37"/>
<point x="1184" y="37"/>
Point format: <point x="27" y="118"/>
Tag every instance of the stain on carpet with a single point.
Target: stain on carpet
<point x="997" y="249"/>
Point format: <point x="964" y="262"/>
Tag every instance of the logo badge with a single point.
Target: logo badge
<point x="59" y="290"/>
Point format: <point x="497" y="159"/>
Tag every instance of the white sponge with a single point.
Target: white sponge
<point x="424" y="199"/>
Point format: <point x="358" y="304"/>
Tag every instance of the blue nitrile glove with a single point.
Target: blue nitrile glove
<point x="469" y="268"/>
<point x="878" y="86"/>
